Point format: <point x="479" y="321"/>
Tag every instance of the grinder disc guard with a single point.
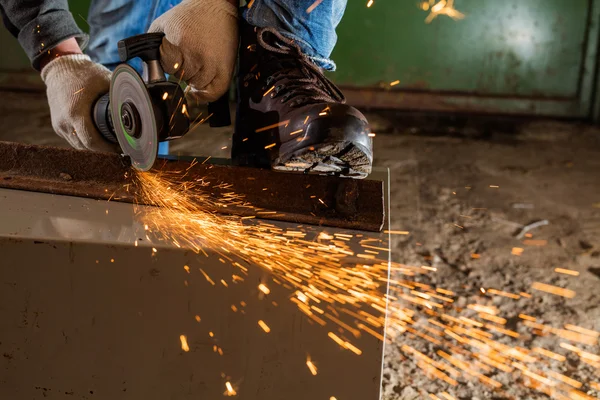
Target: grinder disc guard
<point x="133" y="117"/>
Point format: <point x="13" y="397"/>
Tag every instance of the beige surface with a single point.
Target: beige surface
<point x="84" y="312"/>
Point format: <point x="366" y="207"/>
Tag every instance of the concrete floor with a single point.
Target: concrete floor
<point x="463" y="192"/>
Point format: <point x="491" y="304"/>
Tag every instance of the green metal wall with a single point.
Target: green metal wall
<point x="531" y="47"/>
<point x="512" y="56"/>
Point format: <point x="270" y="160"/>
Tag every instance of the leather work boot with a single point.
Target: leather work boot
<point x="290" y="117"/>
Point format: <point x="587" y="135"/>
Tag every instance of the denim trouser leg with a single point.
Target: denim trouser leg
<point x="310" y="23"/>
<point x="113" y="20"/>
<point x="313" y="28"/>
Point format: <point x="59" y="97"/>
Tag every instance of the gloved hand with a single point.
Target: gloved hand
<point x="200" y="45"/>
<point x="73" y="84"/>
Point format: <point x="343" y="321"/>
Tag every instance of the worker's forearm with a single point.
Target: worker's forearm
<point x="40" y="26"/>
<point x="66" y="47"/>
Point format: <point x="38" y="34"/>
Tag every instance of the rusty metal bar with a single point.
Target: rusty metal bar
<point x="297" y="198"/>
<point x="462" y="103"/>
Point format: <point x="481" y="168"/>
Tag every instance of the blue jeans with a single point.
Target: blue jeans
<point x="312" y="27"/>
<point x="309" y="23"/>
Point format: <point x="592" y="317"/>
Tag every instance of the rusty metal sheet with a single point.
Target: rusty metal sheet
<point x="298" y="198"/>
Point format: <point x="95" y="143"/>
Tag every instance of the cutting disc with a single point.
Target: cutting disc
<point x="133" y="117"/>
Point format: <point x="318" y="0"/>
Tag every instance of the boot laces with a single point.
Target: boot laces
<point x="308" y="84"/>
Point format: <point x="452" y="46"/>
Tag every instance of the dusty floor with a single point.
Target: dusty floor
<point x="464" y="193"/>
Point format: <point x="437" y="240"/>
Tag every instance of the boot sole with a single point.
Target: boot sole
<point x="338" y="158"/>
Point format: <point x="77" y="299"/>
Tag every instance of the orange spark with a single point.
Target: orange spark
<point x="311" y="366"/>
<point x="527" y="317"/>
<point x="569" y="294"/>
<point x="517" y="251"/>
<point x="504" y="294"/>
<point x="585" y="331"/>
<point x="566" y="271"/>
<point x="184" y="343"/>
<point x="230" y="391"/>
<point x="264" y="326"/>
<point x="264" y="289"/>
<point x="313" y="6"/>
<point x="266" y="128"/>
<point x="269" y="91"/>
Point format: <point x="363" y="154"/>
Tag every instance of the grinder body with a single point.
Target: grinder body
<point x="169" y="124"/>
<point x="166" y="97"/>
<point x="138" y="113"/>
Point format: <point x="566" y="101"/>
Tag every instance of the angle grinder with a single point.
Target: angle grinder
<point x="139" y="113"/>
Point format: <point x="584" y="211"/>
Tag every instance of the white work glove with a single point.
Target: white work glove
<point x="73" y="84"/>
<point x="200" y="45"/>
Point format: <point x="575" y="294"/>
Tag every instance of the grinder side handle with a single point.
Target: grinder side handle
<point x="147" y="47"/>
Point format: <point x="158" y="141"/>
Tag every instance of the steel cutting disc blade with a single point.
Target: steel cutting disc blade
<point x="127" y="87"/>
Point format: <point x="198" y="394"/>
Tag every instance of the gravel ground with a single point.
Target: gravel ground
<point x="469" y="196"/>
<point x="464" y="193"/>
